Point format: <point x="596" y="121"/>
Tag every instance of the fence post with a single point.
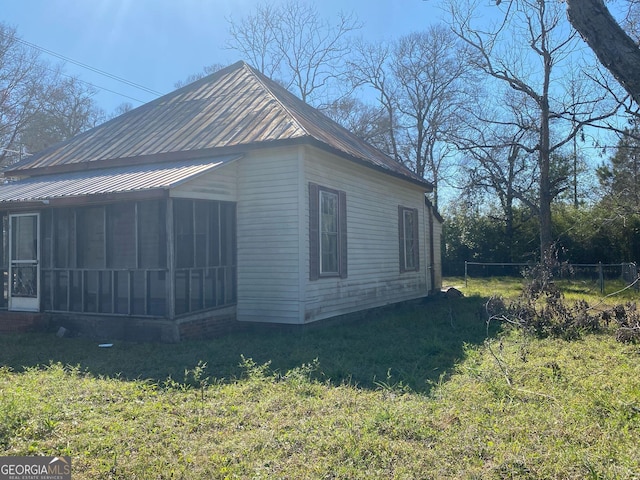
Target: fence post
<point x="465" y="273"/>
<point x="601" y="278"/>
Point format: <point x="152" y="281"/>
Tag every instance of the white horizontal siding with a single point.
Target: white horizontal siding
<point x="219" y="184"/>
<point x="268" y="237"/>
<point x="374" y="277"/>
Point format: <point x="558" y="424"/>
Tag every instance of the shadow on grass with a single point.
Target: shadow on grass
<point x="412" y="346"/>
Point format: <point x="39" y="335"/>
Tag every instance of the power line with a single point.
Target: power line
<point x="98" y="86"/>
<point x="89" y="67"/>
<point x="93" y="69"/>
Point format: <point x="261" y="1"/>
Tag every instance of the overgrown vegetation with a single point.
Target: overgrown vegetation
<point x="417" y="392"/>
<point x="541" y="309"/>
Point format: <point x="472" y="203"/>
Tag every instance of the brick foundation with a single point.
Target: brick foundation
<point x="210" y="325"/>
<point x="21" y="322"/>
<point x="107" y="328"/>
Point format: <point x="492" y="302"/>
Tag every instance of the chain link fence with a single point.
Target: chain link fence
<point x="594" y="275"/>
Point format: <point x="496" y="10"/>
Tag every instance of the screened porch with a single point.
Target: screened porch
<point x="155" y="258"/>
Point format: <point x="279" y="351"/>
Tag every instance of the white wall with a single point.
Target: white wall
<point x="271" y="190"/>
<point x="268" y="236"/>
<point x="218" y="184"/>
<point x="374" y="277"/>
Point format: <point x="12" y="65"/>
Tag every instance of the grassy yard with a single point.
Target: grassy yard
<point x="414" y="392"/>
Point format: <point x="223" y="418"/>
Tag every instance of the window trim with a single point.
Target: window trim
<point x="315" y="240"/>
<point x="403" y="240"/>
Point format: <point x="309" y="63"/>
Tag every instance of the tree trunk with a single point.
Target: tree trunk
<point x="613" y="47"/>
<point x="545" y="160"/>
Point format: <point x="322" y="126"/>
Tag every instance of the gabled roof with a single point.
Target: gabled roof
<point x="236" y="108"/>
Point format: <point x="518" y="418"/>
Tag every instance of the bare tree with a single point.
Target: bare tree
<point x="420" y="81"/>
<point x="208" y="70"/>
<point x="67" y="110"/>
<point x="368" y="122"/>
<point x="39" y="104"/>
<point x="23" y="87"/>
<point x="121" y="109"/>
<point x="527" y="50"/>
<point x="370" y="68"/>
<point x="293" y="43"/>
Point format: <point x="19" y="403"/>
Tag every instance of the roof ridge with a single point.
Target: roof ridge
<point x="258" y="76"/>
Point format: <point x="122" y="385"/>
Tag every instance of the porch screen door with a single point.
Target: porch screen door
<point x="24" y="268"/>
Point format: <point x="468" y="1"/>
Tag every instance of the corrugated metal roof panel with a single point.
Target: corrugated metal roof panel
<point x="107" y="180"/>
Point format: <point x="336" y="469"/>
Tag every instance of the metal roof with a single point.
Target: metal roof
<point x="107" y="180"/>
<point x="234" y="107"/>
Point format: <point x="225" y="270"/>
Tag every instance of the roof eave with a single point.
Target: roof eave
<point x="427" y="186"/>
<point x="214" y="152"/>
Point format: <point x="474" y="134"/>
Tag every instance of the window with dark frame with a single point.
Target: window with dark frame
<point x="408" y="239"/>
<point x="327" y="232"/>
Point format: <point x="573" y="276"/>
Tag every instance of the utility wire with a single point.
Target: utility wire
<point x="89" y="67"/>
<point x="93" y="69"/>
<point x="98" y="86"/>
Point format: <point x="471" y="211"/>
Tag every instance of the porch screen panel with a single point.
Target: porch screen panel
<point x="91" y="237"/>
<point x="91" y="288"/>
<point x="205" y="242"/>
<point x="121" y="235"/>
<point x="76" y="290"/>
<point x="109" y="259"/>
<point x="105" y="291"/>
<point x="64" y="238"/>
<point x="214" y="235"/>
<point x="182" y="291"/>
<point x="183" y="215"/>
<point x="122" y="292"/>
<point x="138" y="293"/>
<point x="157" y="293"/>
<point x="201" y="227"/>
<point x="4" y="260"/>
<point x="60" y="290"/>
<point x="46" y="229"/>
<point x="152" y="244"/>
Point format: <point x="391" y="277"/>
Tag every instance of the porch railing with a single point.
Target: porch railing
<point x="140" y="292"/>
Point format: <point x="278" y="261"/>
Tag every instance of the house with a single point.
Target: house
<point x="228" y="200"/>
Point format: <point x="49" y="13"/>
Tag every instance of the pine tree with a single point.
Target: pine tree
<point x="620" y="178"/>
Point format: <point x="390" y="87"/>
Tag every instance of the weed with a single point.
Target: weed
<point x="254" y="371"/>
<point x="392" y="388"/>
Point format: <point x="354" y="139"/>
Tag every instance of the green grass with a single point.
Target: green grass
<point x="417" y="392"/>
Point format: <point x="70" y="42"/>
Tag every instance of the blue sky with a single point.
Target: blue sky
<point x="155" y="43"/>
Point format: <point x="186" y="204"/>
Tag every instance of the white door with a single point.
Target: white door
<point x="24" y="268"/>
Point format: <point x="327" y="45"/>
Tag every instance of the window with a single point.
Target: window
<point x="408" y="239"/>
<point x="327" y="232"/>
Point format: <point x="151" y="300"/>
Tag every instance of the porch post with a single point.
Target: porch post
<point x="170" y="283"/>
